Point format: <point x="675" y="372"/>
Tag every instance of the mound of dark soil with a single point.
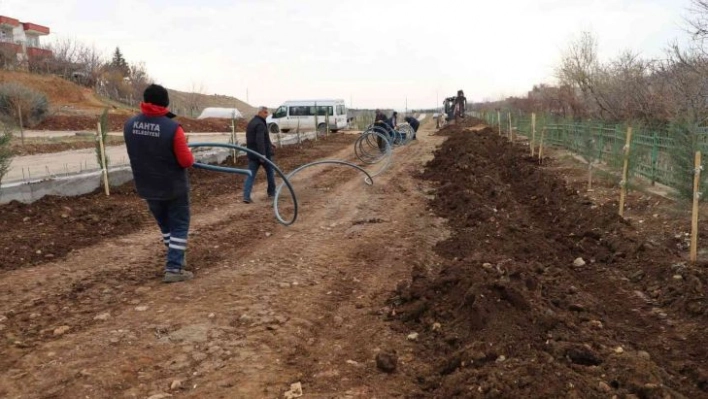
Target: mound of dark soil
<point x="536" y="297"/>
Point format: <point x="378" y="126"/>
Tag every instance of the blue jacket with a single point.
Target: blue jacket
<point x="150" y="144"/>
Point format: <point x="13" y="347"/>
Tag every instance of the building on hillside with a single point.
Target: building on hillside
<point x="21" y="40"/>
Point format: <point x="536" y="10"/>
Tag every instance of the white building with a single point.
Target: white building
<point x="22" y="39"/>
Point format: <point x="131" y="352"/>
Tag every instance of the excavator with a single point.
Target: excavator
<point x="455" y="106"/>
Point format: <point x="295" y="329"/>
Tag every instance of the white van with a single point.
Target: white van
<point x="294" y="114"/>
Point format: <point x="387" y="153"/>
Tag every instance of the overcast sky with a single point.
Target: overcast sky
<point x="372" y="53"/>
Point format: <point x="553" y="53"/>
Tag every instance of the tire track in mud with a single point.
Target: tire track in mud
<point x="128" y="267"/>
<point x="260" y="330"/>
<point x="48" y="230"/>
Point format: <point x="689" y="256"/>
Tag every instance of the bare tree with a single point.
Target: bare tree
<point x="72" y="60"/>
<point x="620" y="89"/>
<point x="65" y="57"/>
<point x="682" y="82"/>
<point x="93" y="62"/>
<point x="698" y="22"/>
<point x="581" y="68"/>
<point x="628" y="87"/>
<point x="195" y="99"/>
<point x="624" y="86"/>
<point x="138" y="80"/>
<point x="560" y="101"/>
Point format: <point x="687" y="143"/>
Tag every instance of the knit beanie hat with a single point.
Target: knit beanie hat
<point x="157" y="95"/>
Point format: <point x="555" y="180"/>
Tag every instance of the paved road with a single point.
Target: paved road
<point x="52" y="133"/>
<point x="58" y="163"/>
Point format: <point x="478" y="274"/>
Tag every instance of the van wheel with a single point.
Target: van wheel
<point x="321" y="128"/>
<point x="274" y="128"/>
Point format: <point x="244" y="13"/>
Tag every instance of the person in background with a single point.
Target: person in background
<point x="415" y="124"/>
<point x="258" y="140"/>
<point x="159" y="158"/>
<point x="393" y="122"/>
<point x="460" y="105"/>
<point x="382" y="122"/>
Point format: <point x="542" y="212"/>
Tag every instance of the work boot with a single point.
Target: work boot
<point x="176" y="277"/>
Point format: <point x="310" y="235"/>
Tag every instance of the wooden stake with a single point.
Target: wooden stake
<point x="327" y="121"/>
<point x="299" y="141"/>
<point x="511" y="137"/>
<point x="103" y="159"/>
<point x="317" y="121"/>
<point x="696" y="197"/>
<point x="22" y="129"/>
<point x="233" y="137"/>
<point x="540" y="146"/>
<point x="499" y="122"/>
<point x="623" y="183"/>
<point x="589" y="176"/>
<point x="533" y="132"/>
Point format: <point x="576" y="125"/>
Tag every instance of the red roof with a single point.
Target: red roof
<point x="9" y="21"/>
<point x="39" y="29"/>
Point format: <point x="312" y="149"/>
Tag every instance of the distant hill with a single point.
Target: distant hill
<point x="192" y="104"/>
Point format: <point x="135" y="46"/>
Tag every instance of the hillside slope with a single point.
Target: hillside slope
<point x="65" y="97"/>
<point x="68" y="98"/>
<point x="74" y="107"/>
<point x="181" y="102"/>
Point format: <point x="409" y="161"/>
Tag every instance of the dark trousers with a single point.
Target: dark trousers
<point x="253" y="166"/>
<point x="380" y="141"/>
<point x="172" y="217"/>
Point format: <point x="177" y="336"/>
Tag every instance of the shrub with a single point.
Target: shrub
<point x="8" y="58"/>
<point x="16" y="98"/>
<point x="5" y="151"/>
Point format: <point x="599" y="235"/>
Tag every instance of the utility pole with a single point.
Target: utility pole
<point x="406" y="105"/>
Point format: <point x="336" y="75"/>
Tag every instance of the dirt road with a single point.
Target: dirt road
<point x="482" y="274"/>
<point x="270" y="305"/>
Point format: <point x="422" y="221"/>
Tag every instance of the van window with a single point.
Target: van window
<point x="309" y="110"/>
<point x="280" y="112"/>
<point x="299" y="111"/>
<point x="322" y="110"/>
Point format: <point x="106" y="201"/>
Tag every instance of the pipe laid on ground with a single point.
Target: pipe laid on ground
<point x="368" y="179"/>
<point x="217" y="168"/>
<point x="247" y="172"/>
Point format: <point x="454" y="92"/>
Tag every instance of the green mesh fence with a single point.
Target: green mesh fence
<point x="662" y="155"/>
